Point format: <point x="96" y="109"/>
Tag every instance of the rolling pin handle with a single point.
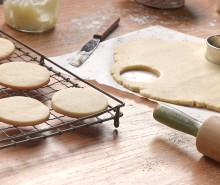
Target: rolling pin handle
<point x="176" y="119"/>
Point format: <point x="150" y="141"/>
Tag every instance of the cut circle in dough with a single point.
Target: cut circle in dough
<point x="6" y="48"/>
<point x="139" y="75"/>
<point x="23" y="75"/>
<point x="78" y="102"/>
<point x="185" y="77"/>
<point x="23" y="111"/>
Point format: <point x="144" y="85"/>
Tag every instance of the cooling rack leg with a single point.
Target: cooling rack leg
<point x="42" y="60"/>
<point x="116" y="119"/>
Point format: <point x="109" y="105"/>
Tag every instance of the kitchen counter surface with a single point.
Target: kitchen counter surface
<point x="140" y="151"/>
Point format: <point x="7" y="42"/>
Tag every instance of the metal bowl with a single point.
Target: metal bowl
<point x="164" y="4"/>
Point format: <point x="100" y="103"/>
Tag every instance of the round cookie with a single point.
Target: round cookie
<point x="6" y="48"/>
<point x="78" y="102"/>
<point x="23" y="75"/>
<point x="23" y="111"/>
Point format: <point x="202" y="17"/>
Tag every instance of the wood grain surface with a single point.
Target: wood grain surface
<point x="140" y="151"/>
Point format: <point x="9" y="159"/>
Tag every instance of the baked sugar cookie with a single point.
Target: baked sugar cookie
<point x="78" y="102"/>
<point x="6" y="48"/>
<point x="23" y="111"/>
<point x="23" y="75"/>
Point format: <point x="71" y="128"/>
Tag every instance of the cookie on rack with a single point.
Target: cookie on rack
<point x="78" y="102"/>
<point x="23" y="75"/>
<point x="23" y="111"/>
<point x="6" y="48"/>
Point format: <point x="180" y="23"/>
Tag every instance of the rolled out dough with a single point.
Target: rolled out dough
<point x="185" y="77"/>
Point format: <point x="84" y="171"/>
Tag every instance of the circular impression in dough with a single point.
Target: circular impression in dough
<point x="137" y="75"/>
<point x="6" y="48"/>
<point x="23" y="111"/>
<point x="23" y="75"/>
<point x="78" y="102"/>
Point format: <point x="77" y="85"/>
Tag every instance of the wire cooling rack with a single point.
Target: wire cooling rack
<point x="57" y="123"/>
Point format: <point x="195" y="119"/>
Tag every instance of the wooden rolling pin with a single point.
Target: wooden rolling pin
<point x="207" y="134"/>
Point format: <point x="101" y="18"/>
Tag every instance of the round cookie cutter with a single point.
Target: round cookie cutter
<point x="213" y="49"/>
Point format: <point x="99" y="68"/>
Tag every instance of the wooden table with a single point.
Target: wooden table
<point x="140" y="151"/>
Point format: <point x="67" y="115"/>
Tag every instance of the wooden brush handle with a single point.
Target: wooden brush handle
<point x="176" y="119"/>
<point x="107" y="27"/>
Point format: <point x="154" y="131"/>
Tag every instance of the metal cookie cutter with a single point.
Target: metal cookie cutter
<point x="213" y="49"/>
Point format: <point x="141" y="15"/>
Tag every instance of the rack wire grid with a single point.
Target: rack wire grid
<point x="57" y="123"/>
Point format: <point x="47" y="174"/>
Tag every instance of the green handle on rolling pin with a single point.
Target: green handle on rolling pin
<point x="207" y="133"/>
<point x="176" y="119"/>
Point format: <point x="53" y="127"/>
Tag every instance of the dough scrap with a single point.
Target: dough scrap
<point x="78" y="102"/>
<point x="23" y="111"/>
<point x="185" y="77"/>
<point x="23" y="75"/>
<point x="6" y="48"/>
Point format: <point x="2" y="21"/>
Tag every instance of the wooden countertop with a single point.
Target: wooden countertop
<point x="140" y="151"/>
